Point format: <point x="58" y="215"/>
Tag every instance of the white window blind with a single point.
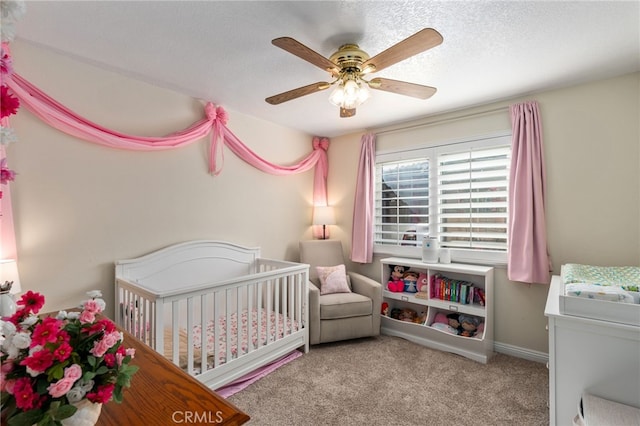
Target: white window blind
<point x="472" y="198"/>
<point x="402" y="209"/>
<point x="456" y="192"/>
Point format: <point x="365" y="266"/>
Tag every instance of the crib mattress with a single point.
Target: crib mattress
<point x="216" y="331"/>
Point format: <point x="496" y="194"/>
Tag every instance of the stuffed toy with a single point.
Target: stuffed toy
<point x="385" y="309"/>
<point x="423" y="283"/>
<point x="441" y="318"/>
<point x="396" y="283"/>
<point x="454" y="322"/>
<point x="410" y="279"/>
<point x="469" y="325"/>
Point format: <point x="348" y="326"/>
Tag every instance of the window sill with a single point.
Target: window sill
<point x="478" y="257"/>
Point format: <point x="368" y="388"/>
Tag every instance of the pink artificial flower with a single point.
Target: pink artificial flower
<point x="73" y="372"/>
<point x="102" y="395"/>
<point x="131" y="352"/>
<point x="46" y="332"/>
<point x="9" y="104"/>
<point x="61" y="387"/>
<point x="31" y="301"/>
<point x="93" y="306"/>
<point x="63" y="351"/>
<point x="103" y="345"/>
<point x="99" y="348"/>
<point x="87" y="317"/>
<point x="39" y="361"/>
<point x="6" y="174"/>
<point x="110" y="360"/>
<point x="6" y="367"/>
<point x="6" y="64"/>
<point x="9" y="385"/>
<point x="26" y="397"/>
<point x="104" y="324"/>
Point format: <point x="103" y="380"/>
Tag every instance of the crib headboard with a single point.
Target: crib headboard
<point x="188" y="264"/>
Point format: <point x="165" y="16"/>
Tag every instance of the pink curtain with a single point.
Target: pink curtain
<point x="364" y="204"/>
<point x="528" y="255"/>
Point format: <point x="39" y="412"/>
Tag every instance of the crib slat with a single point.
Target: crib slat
<point x="175" y="327"/>
<point x="250" y="314"/>
<point x="190" y="335"/>
<point x="204" y="355"/>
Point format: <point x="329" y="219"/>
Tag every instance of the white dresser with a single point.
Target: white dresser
<point x="592" y="356"/>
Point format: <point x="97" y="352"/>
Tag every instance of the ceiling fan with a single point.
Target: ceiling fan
<point x="349" y="65"/>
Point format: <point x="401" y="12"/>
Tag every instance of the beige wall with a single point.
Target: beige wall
<point x="79" y="206"/>
<point x="592" y="153"/>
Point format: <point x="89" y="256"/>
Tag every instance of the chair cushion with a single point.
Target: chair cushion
<point x="333" y="279"/>
<point x="344" y="305"/>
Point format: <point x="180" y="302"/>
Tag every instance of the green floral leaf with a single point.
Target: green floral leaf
<point x="65" y="411"/>
<point x="26" y="418"/>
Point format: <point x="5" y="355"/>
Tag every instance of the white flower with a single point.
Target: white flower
<point x="94" y="293"/>
<point x="12" y="352"/>
<point x="102" y="304"/>
<point x="61" y="315"/>
<point x="12" y="9"/>
<point x="73" y="315"/>
<point x="75" y="394"/>
<point x="22" y="340"/>
<point x="8" y="328"/>
<point x="86" y="385"/>
<point x="7" y="136"/>
<point x="29" y="321"/>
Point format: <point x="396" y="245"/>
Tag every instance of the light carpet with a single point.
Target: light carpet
<point x="390" y="381"/>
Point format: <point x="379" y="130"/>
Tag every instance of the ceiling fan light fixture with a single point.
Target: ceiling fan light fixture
<point x="350" y="93"/>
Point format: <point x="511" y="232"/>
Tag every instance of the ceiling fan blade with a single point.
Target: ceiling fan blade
<point x="296" y="93"/>
<point x="419" y="42"/>
<point x="347" y="112"/>
<point x="402" y="88"/>
<point x="300" y="50"/>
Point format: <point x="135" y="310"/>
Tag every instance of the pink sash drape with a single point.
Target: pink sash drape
<point x="214" y="124"/>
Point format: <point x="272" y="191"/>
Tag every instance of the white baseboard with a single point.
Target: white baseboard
<point x="519" y="352"/>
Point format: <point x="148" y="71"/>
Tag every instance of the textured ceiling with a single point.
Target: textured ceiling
<point x="221" y="51"/>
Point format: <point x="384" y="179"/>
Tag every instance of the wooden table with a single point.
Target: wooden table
<point x="163" y="394"/>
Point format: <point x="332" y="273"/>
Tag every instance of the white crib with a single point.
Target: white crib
<point x="185" y="301"/>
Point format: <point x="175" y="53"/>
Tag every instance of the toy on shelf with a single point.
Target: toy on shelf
<point x="423" y="283"/>
<point x="469" y="325"/>
<point x="460" y="324"/>
<point x="385" y="309"/>
<point x="410" y="279"/>
<point x="441" y="322"/>
<point x="406" y="314"/>
<point x="396" y="282"/>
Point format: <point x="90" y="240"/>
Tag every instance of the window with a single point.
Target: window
<point x="456" y="192"/>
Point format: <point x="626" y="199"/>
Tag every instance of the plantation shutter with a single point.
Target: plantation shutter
<point x="472" y="198"/>
<point x="402" y="208"/>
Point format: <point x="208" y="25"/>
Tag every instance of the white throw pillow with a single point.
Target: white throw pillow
<point x="333" y="279"/>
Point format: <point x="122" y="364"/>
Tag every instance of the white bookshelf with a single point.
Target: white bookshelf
<point x="479" y="347"/>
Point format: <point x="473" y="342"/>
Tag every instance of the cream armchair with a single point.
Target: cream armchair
<point x="339" y="316"/>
